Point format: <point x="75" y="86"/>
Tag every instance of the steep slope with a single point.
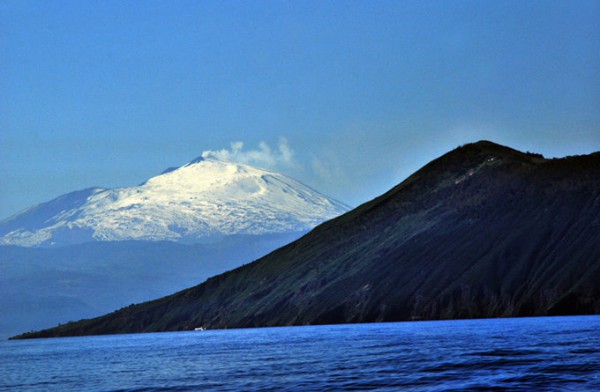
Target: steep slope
<point x="201" y="201"/>
<point x="483" y="231"/>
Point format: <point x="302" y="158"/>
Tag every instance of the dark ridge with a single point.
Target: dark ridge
<point x="197" y="160"/>
<point x="170" y="169"/>
<point x="483" y="231"/>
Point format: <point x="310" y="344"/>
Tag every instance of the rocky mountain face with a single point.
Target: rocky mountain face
<point x="199" y="202"/>
<point x="483" y="231"/>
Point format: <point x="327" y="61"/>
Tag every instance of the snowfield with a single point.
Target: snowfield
<point x="197" y="202"/>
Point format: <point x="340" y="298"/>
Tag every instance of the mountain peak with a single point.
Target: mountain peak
<point x="488" y="147"/>
<point x="197" y="160"/>
<point x="478" y="155"/>
<point x="204" y="199"/>
<point x="487" y="144"/>
<point x="204" y="158"/>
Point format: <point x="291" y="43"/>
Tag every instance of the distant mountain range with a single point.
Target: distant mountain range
<point x="92" y="251"/>
<point x="483" y="231"/>
<point x="201" y="201"/>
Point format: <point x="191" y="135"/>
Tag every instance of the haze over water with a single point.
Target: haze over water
<point x="551" y="353"/>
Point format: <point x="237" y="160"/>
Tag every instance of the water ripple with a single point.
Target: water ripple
<point x="544" y="354"/>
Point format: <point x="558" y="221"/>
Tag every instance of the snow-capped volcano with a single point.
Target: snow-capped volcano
<point x="203" y="199"/>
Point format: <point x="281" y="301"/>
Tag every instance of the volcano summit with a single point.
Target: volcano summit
<point x="198" y="202"/>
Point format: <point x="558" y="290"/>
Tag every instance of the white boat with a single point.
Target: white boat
<point x="199" y="329"/>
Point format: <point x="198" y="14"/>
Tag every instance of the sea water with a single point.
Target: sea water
<point x="538" y="354"/>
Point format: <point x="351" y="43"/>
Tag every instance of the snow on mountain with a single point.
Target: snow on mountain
<point x="200" y="201"/>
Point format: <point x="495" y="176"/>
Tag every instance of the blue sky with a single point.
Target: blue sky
<point x="349" y="97"/>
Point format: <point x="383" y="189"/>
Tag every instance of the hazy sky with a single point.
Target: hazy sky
<point x="348" y="97"/>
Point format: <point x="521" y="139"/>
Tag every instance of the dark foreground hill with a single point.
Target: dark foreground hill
<point x="483" y="231"/>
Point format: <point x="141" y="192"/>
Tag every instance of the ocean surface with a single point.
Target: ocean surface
<point x="538" y="354"/>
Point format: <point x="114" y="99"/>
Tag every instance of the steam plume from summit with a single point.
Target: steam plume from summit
<point x="264" y="156"/>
